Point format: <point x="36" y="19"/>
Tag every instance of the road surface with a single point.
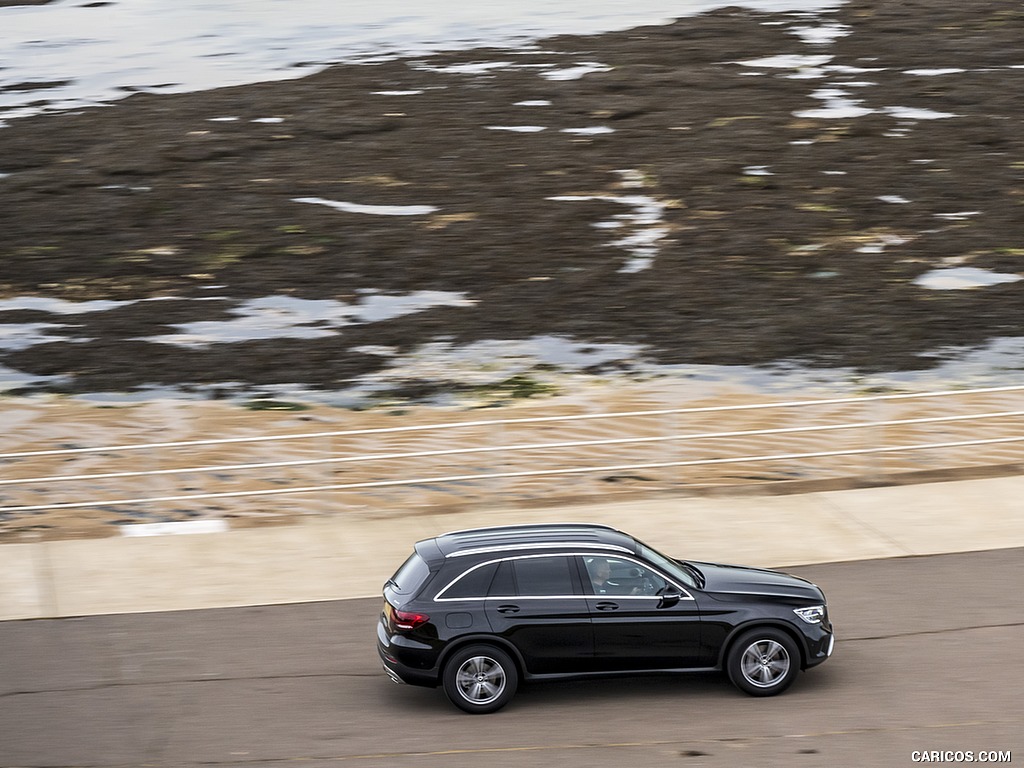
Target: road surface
<point x="930" y="657"/>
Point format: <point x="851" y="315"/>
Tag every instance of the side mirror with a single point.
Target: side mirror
<point x="669" y="597"/>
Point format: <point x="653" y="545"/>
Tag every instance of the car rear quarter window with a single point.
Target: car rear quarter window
<point x="411" y="576"/>
<point x="474" y="583"/>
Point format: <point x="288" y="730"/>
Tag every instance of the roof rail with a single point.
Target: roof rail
<point x="554" y="546"/>
<point x="529" y="527"/>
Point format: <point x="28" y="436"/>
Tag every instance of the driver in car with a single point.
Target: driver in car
<point x="600" y="577"/>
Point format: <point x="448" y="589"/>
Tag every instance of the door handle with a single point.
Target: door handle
<point x="606" y="606"/>
<point x="508" y="609"/>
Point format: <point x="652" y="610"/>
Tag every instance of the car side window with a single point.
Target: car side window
<point x="474" y="583"/>
<point x="544" y="576"/>
<point x="615" y="576"/>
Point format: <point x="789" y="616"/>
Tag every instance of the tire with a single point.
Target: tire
<point x="480" y="679"/>
<point x="763" y="662"/>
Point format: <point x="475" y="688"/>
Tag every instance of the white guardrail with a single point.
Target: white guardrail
<point x="534" y="457"/>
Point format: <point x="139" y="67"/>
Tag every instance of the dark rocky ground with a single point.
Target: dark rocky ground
<point x="149" y="198"/>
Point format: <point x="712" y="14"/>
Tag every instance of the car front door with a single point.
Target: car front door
<point x="635" y="625"/>
<point x="537" y="603"/>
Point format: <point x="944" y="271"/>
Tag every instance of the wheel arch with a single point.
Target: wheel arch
<point x="463" y="642"/>
<point x="742" y="629"/>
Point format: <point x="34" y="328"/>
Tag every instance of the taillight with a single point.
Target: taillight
<point x="407" y="620"/>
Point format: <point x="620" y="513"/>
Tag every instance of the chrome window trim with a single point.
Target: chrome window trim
<point x="685" y="595"/>
<point x="538" y="545"/>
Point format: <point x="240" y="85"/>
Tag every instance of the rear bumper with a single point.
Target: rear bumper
<point x="400" y="673"/>
<point x="405" y="664"/>
<point x="393" y="675"/>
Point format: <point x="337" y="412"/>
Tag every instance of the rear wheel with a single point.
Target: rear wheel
<point x="763" y="662"/>
<point x="480" y="679"/>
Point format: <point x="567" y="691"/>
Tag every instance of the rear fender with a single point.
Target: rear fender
<point x="491" y="640"/>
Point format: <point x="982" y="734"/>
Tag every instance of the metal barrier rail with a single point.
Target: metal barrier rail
<point x="493" y="475"/>
<point x="536" y="446"/>
<point x="500" y="422"/>
<point x="514" y="448"/>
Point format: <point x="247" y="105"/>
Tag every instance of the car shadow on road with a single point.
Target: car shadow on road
<point x="595" y="692"/>
<point x="641" y="690"/>
<point x="611" y="692"/>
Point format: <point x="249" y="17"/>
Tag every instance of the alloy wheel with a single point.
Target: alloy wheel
<point x="480" y="679"/>
<point x="765" y="663"/>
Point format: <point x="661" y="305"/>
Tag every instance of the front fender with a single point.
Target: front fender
<point x="789" y="629"/>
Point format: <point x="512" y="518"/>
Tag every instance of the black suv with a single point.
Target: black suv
<point x="477" y="611"/>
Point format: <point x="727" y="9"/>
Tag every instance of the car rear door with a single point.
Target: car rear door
<point x="537" y="603"/>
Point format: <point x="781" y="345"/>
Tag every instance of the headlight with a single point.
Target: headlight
<point x="812" y="615"/>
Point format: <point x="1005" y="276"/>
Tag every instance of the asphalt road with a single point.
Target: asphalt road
<point x="930" y="657"/>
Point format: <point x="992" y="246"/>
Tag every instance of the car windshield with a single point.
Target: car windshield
<point x="668" y="565"/>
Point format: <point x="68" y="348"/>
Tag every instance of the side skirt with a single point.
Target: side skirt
<point x="621" y="673"/>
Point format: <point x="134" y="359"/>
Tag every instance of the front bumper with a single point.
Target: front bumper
<point x="820" y="644"/>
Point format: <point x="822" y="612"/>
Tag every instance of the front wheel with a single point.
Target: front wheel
<point x="480" y="679"/>
<point x="763" y="662"/>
